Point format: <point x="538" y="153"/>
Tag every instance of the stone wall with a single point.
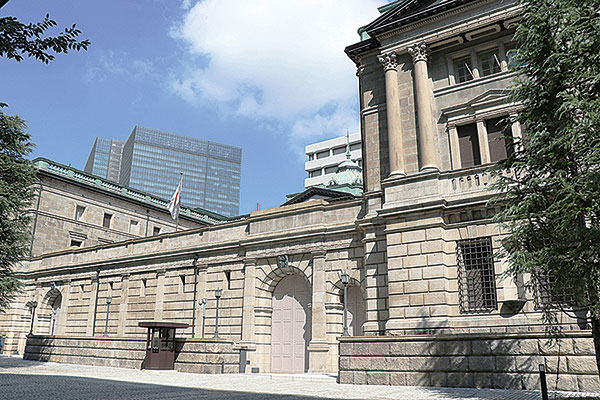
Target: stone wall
<point x="481" y="361"/>
<point x="208" y="356"/>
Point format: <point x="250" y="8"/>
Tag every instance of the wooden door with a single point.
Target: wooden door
<point x="290" y="326"/>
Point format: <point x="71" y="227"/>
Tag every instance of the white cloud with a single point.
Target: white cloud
<point x="276" y="60"/>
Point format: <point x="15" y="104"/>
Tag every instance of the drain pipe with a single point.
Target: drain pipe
<point x="195" y="290"/>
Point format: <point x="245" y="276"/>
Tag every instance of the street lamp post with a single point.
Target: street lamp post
<point x="33" y="305"/>
<point x="108" y="301"/>
<point x="217" y="296"/>
<point x="202" y="302"/>
<point x="345" y="280"/>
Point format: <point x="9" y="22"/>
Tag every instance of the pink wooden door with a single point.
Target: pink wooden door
<point x="356" y="311"/>
<point x="290" y="326"/>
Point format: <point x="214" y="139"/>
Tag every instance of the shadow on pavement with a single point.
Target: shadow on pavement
<point x="7" y="362"/>
<point x="32" y="387"/>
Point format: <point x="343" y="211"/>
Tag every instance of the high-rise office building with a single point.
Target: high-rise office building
<point x="152" y="161"/>
<point x="105" y="159"/>
<point x="325" y="157"/>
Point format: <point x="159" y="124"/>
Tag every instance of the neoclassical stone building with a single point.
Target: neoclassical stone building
<point x="427" y="301"/>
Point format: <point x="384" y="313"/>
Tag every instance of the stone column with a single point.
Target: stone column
<point x="160" y="295"/>
<point x="484" y="146"/>
<point x="394" y="125"/>
<point x="318" y="346"/>
<point x="123" y="305"/>
<point x="427" y="148"/>
<point x="517" y="134"/>
<point x="454" y="147"/>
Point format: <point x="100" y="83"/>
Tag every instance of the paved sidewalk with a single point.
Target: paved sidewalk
<point x="20" y="379"/>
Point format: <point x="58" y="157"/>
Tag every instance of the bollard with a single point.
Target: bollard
<point x="543" y="382"/>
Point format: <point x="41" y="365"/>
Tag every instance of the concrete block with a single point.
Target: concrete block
<point x="481" y="364"/>
<point x="582" y="364"/>
<point x="588" y="383"/>
<point x="457" y="379"/>
<point x="398" y="378"/>
<point x="359" y="378"/>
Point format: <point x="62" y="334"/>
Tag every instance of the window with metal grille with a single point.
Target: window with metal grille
<point x="547" y="296"/>
<point x="476" y="277"/>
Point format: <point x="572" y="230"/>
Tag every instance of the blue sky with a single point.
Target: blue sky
<point x="269" y="76"/>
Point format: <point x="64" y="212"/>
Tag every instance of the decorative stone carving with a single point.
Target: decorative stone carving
<point x="283" y="261"/>
<point x="419" y="52"/>
<point x="389" y="61"/>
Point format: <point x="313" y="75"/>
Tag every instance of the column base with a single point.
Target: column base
<point x="429" y="168"/>
<point x="318" y="354"/>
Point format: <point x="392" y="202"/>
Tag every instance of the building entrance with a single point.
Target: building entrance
<point x="290" y="326"/>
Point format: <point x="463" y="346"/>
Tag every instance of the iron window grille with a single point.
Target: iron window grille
<point x="545" y="294"/>
<point x="476" y="276"/>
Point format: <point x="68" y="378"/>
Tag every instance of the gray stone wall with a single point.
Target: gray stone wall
<point x="480" y="361"/>
<point x="208" y="356"/>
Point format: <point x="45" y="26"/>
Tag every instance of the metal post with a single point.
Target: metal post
<point x="108" y="301"/>
<point x="202" y="302"/>
<point x="218" y="296"/>
<point x="34" y="305"/>
<point x="345" y="281"/>
<point x="543" y="382"/>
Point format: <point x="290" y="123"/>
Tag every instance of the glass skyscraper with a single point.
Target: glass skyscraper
<point x="105" y="159"/>
<point x="152" y="161"/>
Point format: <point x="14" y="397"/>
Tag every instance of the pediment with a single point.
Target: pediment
<point x="407" y="11"/>
<point x="492" y="96"/>
<point x="318" y="193"/>
<point x="493" y="101"/>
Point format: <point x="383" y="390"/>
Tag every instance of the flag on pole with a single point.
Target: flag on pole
<point x="176" y="201"/>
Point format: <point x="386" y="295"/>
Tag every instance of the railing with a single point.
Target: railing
<point x="468" y="180"/>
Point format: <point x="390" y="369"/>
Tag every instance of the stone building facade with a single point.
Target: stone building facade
<point x="75" y="209"/>
<point x="427" y="299"/>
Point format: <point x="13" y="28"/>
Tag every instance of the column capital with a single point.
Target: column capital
<point x="419" y="52"/>
<point x="360" y="70"/>
<point x="389" y="60"/>
<point x="249" y="261"/>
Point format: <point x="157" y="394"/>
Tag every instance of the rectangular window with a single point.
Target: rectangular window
<point x="79" y="212"/>
<point x="156" y="231"/>
<point x="311" y="157"/>
<point x="133" y="226"/>
<point x="547" y="296"/>
<point x="330" y="170"/>
<point x="106" y="220"/>
<point x="76" y="243"/>
<point x="468" y="143"/>
<point x="499" y="139"/>
<point x="476" y="276"/>
<point x="339" y="150"/>
<point x="316" y="172"/>
<point x="322" y="154"/>
<point x="355" y="146"/>
<point x="143" y="285"/>
<point x="182" y="283"/>
<point x="489" y="62"/>
<point x="463" y="70"/>
<point x="228" y="279"/>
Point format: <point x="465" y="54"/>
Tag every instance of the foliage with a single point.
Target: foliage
<point x="17" y="190"/>
<point x="551" y="197"/>
<point x="17" y="39"/>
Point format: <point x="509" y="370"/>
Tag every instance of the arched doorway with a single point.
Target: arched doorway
<point x="356" y="311"/>
<point x="54" y="314"/>
<point x="290" y="326"/>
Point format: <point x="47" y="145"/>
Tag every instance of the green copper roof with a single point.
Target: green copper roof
<point x="98" y="183"/>
<point x="348" y="173"/>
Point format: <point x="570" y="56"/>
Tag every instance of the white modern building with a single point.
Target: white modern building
<point x="324" y="158"/>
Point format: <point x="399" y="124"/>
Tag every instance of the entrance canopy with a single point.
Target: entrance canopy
<point x="162" y="324"/>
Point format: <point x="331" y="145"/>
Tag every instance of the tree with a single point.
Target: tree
<point x="551" y="196"/>
<point x="17" y="179"/>
<point x="17" y="173"/>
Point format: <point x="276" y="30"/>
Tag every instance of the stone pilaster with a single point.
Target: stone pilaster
<point x="160" y="294"/>
<point x="92" y="306"/>
<point x="424" y="97"/>
<point x="248" y="320"/>
<point x="484" y="147"/>
<point x="394" y="124"/>
<point x="123" y="305"/>
<point x="454" y="147"/>
<point x="318" y="346"/>
<point x="61" y="324"/>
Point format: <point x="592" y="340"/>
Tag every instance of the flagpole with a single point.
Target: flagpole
<point x="180" y="193"/>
